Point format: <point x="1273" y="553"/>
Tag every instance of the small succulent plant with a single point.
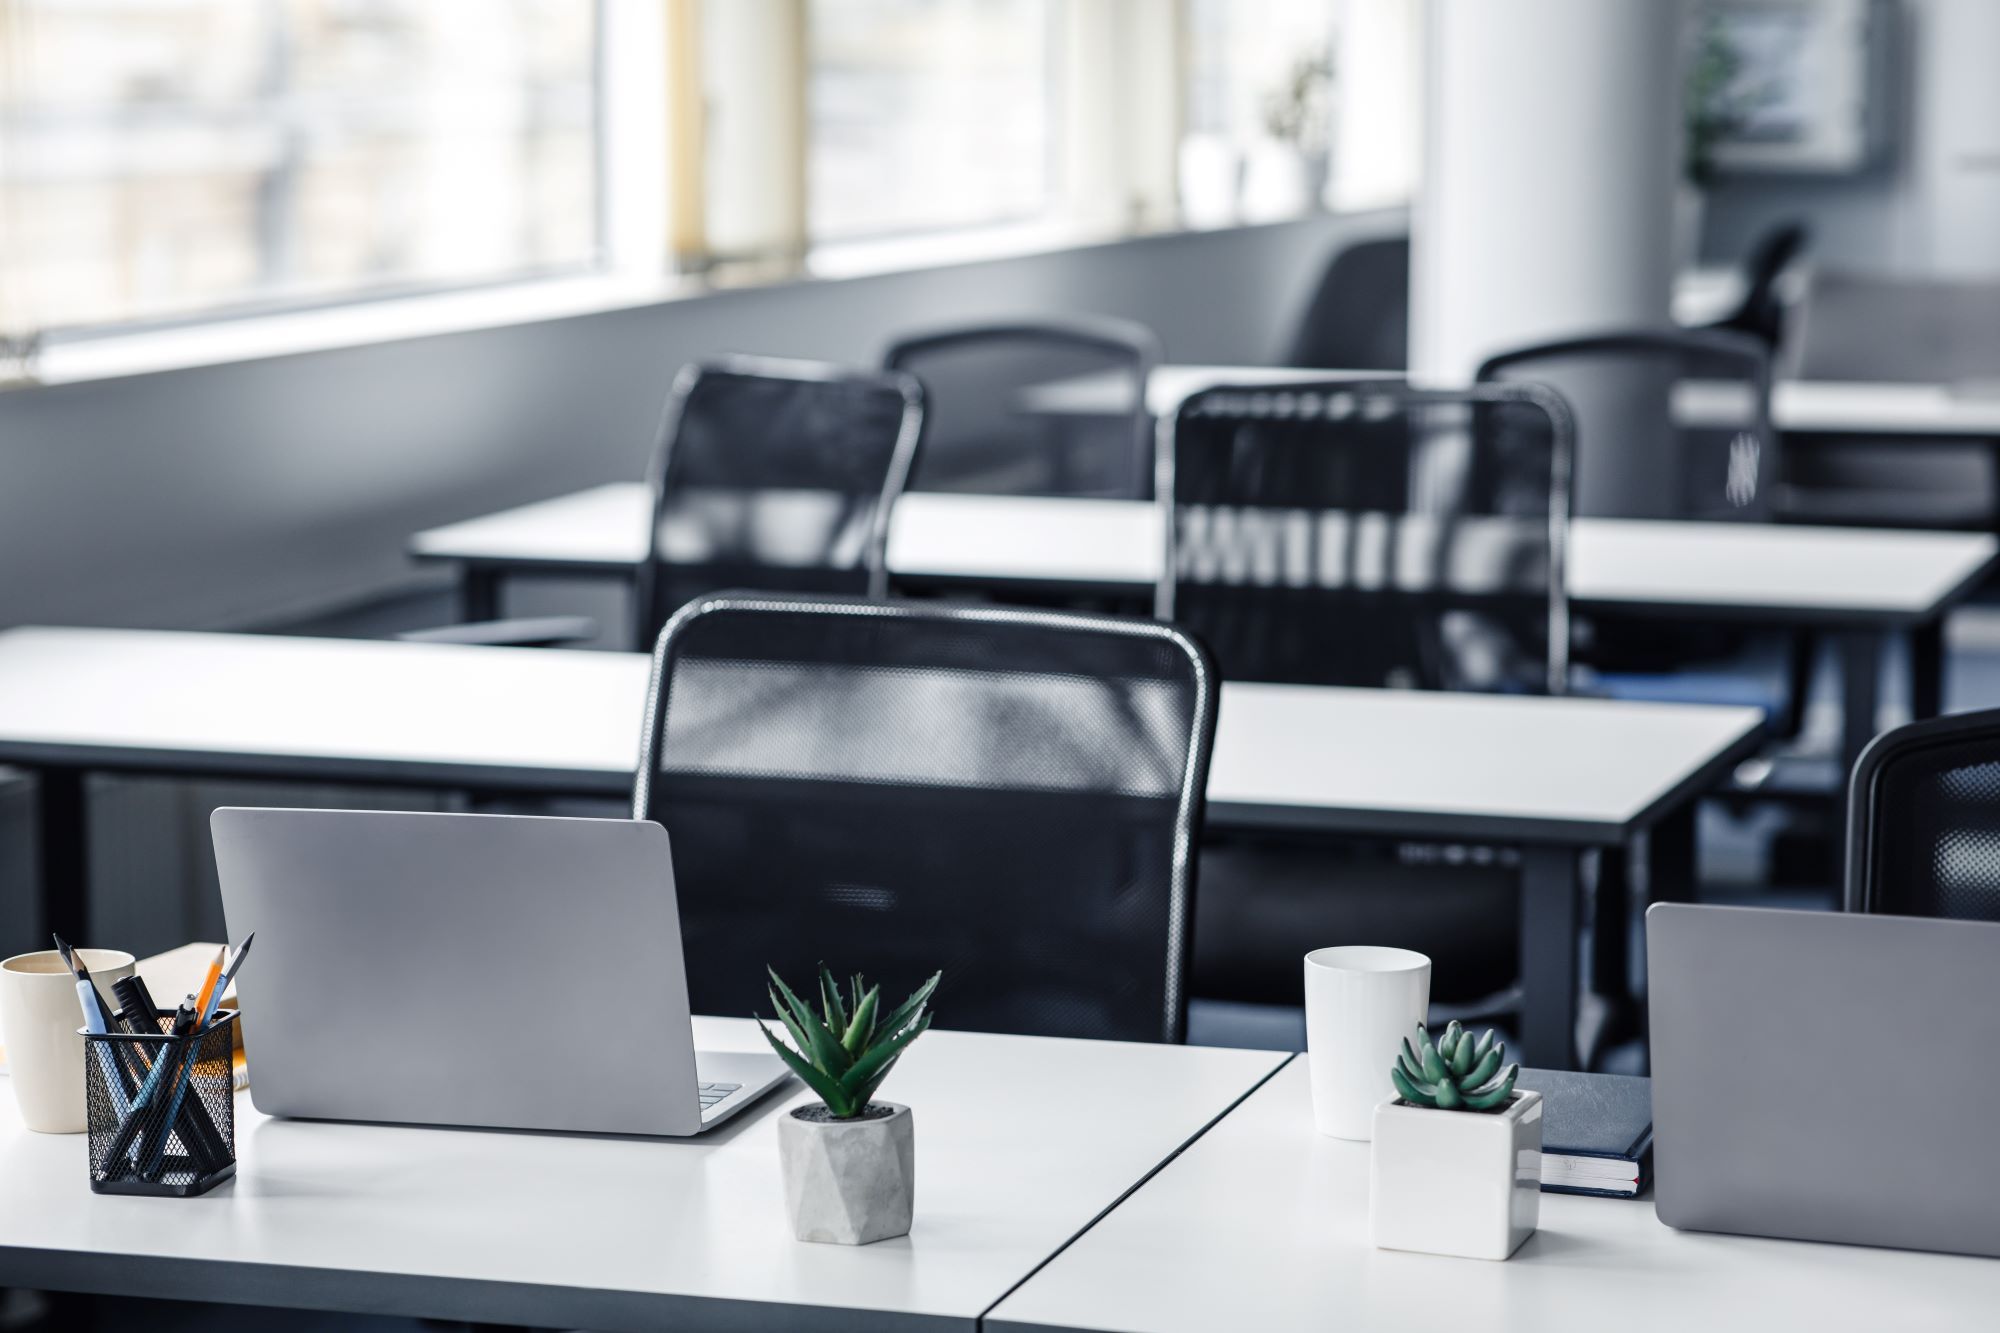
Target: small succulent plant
<point x="1458" y="1073"/>
<point x="845" y="1049"/>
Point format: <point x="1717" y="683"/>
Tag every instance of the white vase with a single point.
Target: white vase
<point x="1467" y="1183"/>
<point x="1278" y="182"/>
<point x="849" y="1182"/>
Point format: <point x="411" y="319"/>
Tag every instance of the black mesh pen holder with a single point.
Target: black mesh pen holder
<point x="161" y="1110"/>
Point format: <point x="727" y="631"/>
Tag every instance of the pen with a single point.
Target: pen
<point x="197" y="1129"/>
<point x="210" y="1002"/>
<point x="149" y="1095"/>
<point x="208" y="982"/>
<point x="94" y="1021"/>
<point x="153" y="1150"/>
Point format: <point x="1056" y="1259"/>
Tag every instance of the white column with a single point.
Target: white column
<point x="1546" y="202"/>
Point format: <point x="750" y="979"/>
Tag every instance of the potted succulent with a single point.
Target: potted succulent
<point x="1456" y="1164"/>
<point x="849" y="1163"/>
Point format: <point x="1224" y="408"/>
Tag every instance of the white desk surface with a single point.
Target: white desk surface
<point x="1021" y="1141"/>
<point x="1512" y="766"/>
<point x="550" y="719"/>
<point x="1829" y="573"/>
<point x="1263" y="1224"/>
<point x="1812" y="407"/>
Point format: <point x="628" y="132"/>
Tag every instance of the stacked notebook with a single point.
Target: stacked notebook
<point x="1597" y="1132"/>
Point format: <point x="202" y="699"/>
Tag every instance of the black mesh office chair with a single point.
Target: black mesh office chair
<point x="1371" y="534"/>
<point x="901" y="787"/>
<point x="1923" y="820"/>
<point x="1045" y="408"/>
<point x="776" y="475"/>
<point x="1705" y="396"/>
<point x="1366" y="534"/>
<point x="1359" y="315"/>
<point x="1701" y="393"/>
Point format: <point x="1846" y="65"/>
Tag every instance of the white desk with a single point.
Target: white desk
<point x="1020" y="1143"/>
<point x="1862" y="583"/>
<point x="1821" y="575"/>
<point x="1263" y="1224"/>
<point x="1804" y="407"/>
<point x="1556" y="776"/>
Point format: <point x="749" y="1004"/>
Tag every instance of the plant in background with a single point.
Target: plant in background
<point x="1458" y="1073"/>
<point x="1296" y="112"/>
<point x="1714" y="103"/>
<point x="847" y="1047"/>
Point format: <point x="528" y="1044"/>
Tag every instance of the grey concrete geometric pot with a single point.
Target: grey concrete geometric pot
<point x="849" y="1182"/>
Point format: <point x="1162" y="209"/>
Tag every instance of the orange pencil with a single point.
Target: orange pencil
<point x="208" y="986"/>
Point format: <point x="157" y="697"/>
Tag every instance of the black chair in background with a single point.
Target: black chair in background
<point x="1923" y="820"/>
<point x="776" y="475"/>
<point x="1034" y="408"/>
<point x="1705" y="396"/>
<point x="1701" y="394"/>
<point x="1365" y="534"/>
<point x="1371" y="533"/>
<point x="1761" y="312"/>
<point x="1359" y="316"/>
<point x="899" y="787"/>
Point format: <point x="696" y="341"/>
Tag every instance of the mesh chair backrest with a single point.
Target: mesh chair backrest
<point x="897" y="788"/>
<point x="1359" y="318"/>
<point x="1704" y="395"/>
<point x="774" y="474"/>
<point x="1924" y="820"/>
<point x="1369" y="533"/>
<point x="1034" y="409"/>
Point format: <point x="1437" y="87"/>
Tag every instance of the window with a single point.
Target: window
<point x="165" y="159"/>
<point x="928" y="114"/>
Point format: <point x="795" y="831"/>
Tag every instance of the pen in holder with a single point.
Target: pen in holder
<point x="160" y="1109"/>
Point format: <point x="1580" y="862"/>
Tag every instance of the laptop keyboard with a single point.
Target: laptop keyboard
<point x="711" y="1093"/>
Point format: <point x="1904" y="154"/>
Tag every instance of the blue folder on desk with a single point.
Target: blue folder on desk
<point x="1597" y="1132"/>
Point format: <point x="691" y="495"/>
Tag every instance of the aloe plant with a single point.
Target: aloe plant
<point x="1457" y="1073"/>
<point x="847" y="1047"/>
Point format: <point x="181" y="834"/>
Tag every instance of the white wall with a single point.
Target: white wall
<point x="228" y="494"/>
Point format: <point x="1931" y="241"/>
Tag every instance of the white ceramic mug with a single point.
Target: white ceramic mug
<point x="1361" y="1001"/>
<point x="39" y="1018"/>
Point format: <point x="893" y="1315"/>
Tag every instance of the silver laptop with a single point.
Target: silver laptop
<point x="501" y="971"/>
<point x="1823" y="1076"/>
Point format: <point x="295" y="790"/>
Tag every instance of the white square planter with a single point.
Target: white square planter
<point x="1467" y="1183"/>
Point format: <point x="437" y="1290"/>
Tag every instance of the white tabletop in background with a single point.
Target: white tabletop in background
<point x="1813" y="407"/>
<point x="1020" y="1142"/>
<point x="1833" y="571"/>
<point x="1263" y="1224"/>
<point x="449" y="714"/>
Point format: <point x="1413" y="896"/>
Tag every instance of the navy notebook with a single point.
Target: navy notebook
<point x="1597" y="1132"/>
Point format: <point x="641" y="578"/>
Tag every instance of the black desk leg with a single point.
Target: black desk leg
<point x="1860" y="694"/>
<point x="1549" y="880"/>
<point x="478" y="594"/>
<point x="1927" y="669"/>
<point x="63" y="840"/>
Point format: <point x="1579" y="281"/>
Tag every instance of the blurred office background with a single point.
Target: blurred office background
<point x="284" y="281"/>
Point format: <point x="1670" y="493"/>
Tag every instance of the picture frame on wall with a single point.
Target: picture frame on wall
<point x="1805" y="86"/>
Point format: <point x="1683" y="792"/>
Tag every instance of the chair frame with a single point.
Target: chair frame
<point x="1563" y="444"/>
<point x="1710" y="341"/>
<point x="1194" y="776"/>
<point x="908" y="436"/>
<point x="1096" y="334"/>
<point x="1862" y="877"/>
